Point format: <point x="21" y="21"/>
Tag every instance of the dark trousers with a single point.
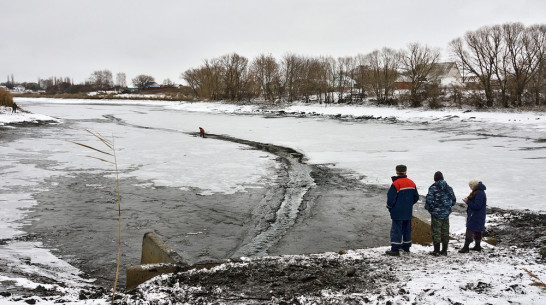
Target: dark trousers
<point x="439" y="229"/>
<point x="471" y="236"/>
<point x="400" y="235"/>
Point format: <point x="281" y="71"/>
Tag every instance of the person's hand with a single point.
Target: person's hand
<point x="465" y="200"/>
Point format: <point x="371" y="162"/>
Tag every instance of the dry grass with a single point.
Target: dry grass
<point x="6" y="99"/>
<point x="536" y="280"/>
<point x="109" y="156"/>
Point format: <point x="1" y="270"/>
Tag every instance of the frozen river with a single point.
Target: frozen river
<point x="228" y="194"/>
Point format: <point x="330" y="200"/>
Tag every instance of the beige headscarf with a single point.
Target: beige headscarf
<point x="473" y="184"/>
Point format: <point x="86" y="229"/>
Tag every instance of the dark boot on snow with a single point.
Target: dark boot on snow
<point x="436" y="251"/>
<point x="477" y="246"/>
<point x="465" y="248"/>
<point x="392" y="253"/>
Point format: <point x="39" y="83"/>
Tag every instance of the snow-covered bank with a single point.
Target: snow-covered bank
<point x="7" y="117"/>
<point x="512" y="119"/>
<point x="521" y="119"/>
<point x="496" y="276"/>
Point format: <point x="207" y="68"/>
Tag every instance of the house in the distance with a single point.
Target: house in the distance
<point x="19" y="88"/>
<point x="152" y="85"/>
<point x="445" y="74"/>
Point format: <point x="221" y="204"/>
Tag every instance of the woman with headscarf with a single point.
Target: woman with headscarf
<point x="475" y="216"/>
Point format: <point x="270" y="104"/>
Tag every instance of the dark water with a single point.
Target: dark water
<point x="309" y="209"/>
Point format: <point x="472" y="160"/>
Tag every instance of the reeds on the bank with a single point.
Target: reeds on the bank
<point x="536" y="280"/>
<point x="109" y="156"/>
<point x="6" y="99"/>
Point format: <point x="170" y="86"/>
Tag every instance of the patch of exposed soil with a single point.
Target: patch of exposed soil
<point x="523" y="229"/>
<point x="272" y="281"/>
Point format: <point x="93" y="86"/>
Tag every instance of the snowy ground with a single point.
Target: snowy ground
<point x="502" y="149"/>
<point x="496" y="276"/>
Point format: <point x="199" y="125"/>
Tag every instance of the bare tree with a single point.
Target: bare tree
<point x="234" y="75"/>
<point x="382" y="72"/>
<point x="361" y="74"/>
<point x="314" y="79"/>
<point x="205" y="81"/>
<point x="344" y="81"/>
<point x="191" y="76"/>
<point x="212" y="73"/>
<point x="524" y="53"/>
<point x="265" y="70"/>
<point x="291" y="65"/>
<point x="305" y="82"/>
<point x="331" y="71"/>
<point x="101" y="80"/>
<point x="496" y="51"/>
<point x="320" y="72"/>
<point x="417" y="64"/>
<point x="478" y="54"/>
<point x="121" y="80"/>
<point x="537" y="85"/>
<point x="141" y="80"/>
<point x="168" y="83"/>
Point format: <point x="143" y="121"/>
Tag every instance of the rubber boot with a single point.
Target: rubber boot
<point x="465" y="249"/>
<point x="436" y="251"/>
<point x="444" y="247"/>
<point x="477" y="246"/>
<point x="392" y="253"/>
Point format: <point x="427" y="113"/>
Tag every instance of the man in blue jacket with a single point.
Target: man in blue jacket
<point x="401" y="197"/>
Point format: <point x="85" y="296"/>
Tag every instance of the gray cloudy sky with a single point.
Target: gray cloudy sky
<point x="163" y="38"/>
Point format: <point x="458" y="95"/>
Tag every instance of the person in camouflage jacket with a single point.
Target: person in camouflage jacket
<point x="438" y="203"/>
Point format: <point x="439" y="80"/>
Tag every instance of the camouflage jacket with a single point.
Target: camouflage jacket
<point x="440" y="199"/>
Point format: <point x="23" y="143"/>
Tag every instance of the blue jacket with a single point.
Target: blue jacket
<point x="476" y="210"/>
<point x="401" y="197"/>
<point x="440" y="199"/>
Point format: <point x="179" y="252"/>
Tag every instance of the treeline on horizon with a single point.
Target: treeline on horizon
<point x="501" y="66"/>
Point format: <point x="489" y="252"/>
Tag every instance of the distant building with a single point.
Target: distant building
<point x="344" y="81"/>
<point x="402" y="82"/>
<point x="445" y="74"/>
<point x="19" y="88"/>
<point x="151" y="85"/>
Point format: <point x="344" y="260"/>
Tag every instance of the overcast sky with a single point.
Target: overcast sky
<point x="163" y="38"/>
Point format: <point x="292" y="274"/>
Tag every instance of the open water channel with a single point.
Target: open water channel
<point x="280" y="205"/>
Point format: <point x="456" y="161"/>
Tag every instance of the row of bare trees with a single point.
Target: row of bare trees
<point x="296" y="77"/>
<point x="508" y="61"/>
<point x="502" y="63"/>
<point x="102" y="80"/>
